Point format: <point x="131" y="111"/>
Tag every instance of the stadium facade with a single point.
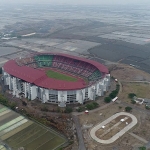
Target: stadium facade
<point x="26" y="77"/>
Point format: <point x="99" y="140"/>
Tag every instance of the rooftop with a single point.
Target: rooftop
<point x="38" y="76"/>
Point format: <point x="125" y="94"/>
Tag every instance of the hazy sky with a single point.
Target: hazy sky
<point x="94" y="2"/>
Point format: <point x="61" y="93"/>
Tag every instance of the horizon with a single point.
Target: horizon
<point x="77" y="2"/>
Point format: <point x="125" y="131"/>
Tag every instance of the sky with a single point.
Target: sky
<point x="78" y="2"/>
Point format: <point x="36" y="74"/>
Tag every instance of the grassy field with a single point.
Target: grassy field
<point x="29" y="134"/>
<point x="60" y="76"/>
<point x="140" y="89"/>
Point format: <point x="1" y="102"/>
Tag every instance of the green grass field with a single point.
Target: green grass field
<point x="35" y="137"/>
<point x="60" y="76"/>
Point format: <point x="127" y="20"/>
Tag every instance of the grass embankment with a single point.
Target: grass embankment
<point x="60" y="76"/>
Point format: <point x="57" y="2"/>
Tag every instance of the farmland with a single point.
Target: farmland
<point x="17" y="131"/>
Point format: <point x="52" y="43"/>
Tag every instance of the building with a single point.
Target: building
<point x="28" y="77"/>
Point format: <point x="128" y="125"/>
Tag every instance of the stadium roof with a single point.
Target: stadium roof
<point x="39" y="77"/>
<point x="99" y="66"/>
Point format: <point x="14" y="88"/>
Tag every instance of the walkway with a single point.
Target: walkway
<point x="116" y="136"/>
<point x="79" y="133"/>
<point x="135" y="81"/>
<point x="94" y="110"/>
<point x="139" y="138"/>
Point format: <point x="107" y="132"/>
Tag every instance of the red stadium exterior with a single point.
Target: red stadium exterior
<point x="27" y="75"/>
<point x="39" y="78"/>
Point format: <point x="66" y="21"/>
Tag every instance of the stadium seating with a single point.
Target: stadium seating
<point x="95" y="75"/>
<point x="44" y="60"/>
<point x="73" y="66"/>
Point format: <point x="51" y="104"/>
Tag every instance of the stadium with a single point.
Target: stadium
<point x="56" y="78"/>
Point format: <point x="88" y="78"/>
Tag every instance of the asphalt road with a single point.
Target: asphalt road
<point x="79" y="133"/>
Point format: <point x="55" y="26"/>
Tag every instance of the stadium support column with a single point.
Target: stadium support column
<point x="47" y="94"/>
<point x="41" y="95"/>
<point x="33" y="92"/>
<point x="91" y="93"/>
<point x="44" y="95"/>
<point x="6" y="78"/>
<point x="80" y="96"/>
<point x="28" y="90"/>
<point x="101" y="88"/>
<point x="62" y="98"/>
<point x="108" y="77"/>
<point x="14" y="86"/>
<point x="25" y="89"/>
<point x="9" y="82"/>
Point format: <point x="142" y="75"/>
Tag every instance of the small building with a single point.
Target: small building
<point x="147" y="102"/>
<point x="138" y="100"/>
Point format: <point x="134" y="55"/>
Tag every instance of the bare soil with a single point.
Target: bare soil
<point x="111" y="128"/>
<point x="127" y="142"/>
<point x="128" y="73"/>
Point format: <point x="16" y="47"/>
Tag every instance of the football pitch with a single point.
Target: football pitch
<point x="17" y="131"/>
<point x="60" y="76"/>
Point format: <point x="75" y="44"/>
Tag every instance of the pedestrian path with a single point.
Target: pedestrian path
<point x="117" y="135"/>
<point x="139" y="138"/>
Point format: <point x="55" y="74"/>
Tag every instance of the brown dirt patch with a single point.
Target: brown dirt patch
<point x="128" y="73"/>
<point x="113" y="127"/>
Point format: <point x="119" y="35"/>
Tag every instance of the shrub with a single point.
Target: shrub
<point x="13" y="106"/>
<point x="0" y="70"/>
<point x="117" y="87"/>
<point x="142" y="148"/>
<point x="95" y="104"/>
<point x="90" y="106"/>
<point x="133" y="101"/>
<point x="120" y="107"/>
<point x="147" y="107"/>
<point x="97" y="98"/>
<point x="113" y="94"/>
<point x="3" y="100"/>
<point x="44" y="109"/>
<point x="80" y="109"/>
<point x="131" y="95"/>
<point x="107" y="99"/>
<point x="128" y="109"/>
<point x="68" y="110"/>
<point x="24" y="103"/>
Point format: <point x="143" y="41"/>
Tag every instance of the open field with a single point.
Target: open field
<point x="60" y="76"/>
<point x="140" y="89"/>
<point x="128" y="73"/>
<point x="126" y="142"/>
<point x="17" y="131"/>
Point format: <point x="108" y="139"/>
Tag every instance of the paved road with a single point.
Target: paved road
<point x="148" y="145"/>
<point x="139" y="138"/>
<point x="79" y="133"/>
<point x="135" y="81"/>
<point x="94" y="110"/>
<point x="135" y="107"/>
